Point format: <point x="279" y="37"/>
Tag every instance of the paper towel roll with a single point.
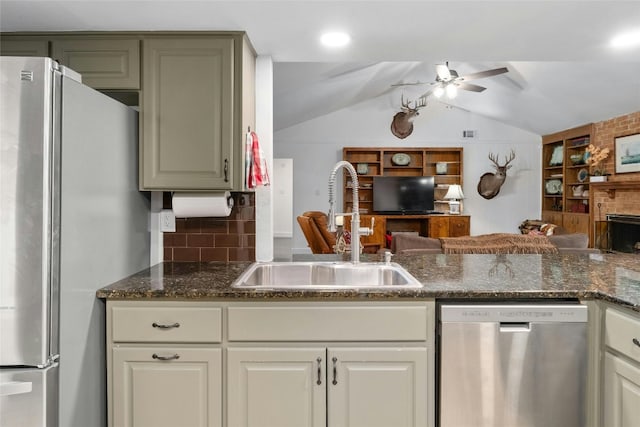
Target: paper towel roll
<point x="190" y="205"/>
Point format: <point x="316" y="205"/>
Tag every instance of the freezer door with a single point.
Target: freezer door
<point x="28" y="233"/>
<point x="29" y="397"/>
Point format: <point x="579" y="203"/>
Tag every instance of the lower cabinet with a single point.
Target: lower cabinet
<point x="252" y="364"/>
<point x="317" y="386"/>
<point x="449" y="226"/>
<point x="621" y="393"/>
<point x="167" y="387"/>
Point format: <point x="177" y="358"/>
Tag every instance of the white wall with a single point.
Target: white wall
<point x="282" y="184"/>
<point x="317" y="144"/>
<point x="264" y="129"/>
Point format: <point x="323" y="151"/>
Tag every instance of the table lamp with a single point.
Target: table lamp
<point x="454" y="195"/>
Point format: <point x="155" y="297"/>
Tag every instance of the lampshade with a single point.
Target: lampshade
<point x="454" y="193"/>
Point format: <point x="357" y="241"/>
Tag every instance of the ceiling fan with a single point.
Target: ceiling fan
<point x="448" y="81"/>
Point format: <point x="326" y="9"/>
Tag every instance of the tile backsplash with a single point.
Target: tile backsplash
<point x="214" y="239"/>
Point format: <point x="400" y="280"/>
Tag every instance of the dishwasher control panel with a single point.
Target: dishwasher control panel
<point x="514" y="313"/>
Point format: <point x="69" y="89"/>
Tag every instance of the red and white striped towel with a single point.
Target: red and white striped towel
<point x="257" y="174"/>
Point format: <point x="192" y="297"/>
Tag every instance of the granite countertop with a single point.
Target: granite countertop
<point x="610" y="277"/>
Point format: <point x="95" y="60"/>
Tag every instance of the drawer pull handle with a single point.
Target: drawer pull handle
<point x="636" y="341"/>
<point x="335" y="373"/>
<point x="319" y="360"/>
<point x="161" y="326"/>
<point x="174" y="357"/>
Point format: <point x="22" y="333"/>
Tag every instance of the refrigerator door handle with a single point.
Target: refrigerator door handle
<point x="15" y="387"/>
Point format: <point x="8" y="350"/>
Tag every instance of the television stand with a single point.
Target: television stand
<point x="430" y="225"/>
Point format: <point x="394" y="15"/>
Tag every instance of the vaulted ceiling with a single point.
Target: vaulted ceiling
<point x="562" y="70"/>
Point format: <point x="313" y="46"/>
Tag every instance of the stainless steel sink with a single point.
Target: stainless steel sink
<point x="325" y="275"/>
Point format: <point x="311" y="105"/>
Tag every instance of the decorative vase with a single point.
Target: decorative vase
<point x="598" y="178"/>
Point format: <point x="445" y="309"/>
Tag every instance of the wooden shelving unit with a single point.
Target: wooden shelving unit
<point x="565" y="181"/>
<point x="374" y="161"/>
<point x="445" y="164"/>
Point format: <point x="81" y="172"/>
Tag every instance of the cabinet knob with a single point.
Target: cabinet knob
<point x="636" y="341"/>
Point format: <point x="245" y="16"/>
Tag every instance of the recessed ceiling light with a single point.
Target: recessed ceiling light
<point x="626" y="40"/>
<point x="335" y="39"/>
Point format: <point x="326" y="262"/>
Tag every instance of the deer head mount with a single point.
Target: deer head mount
<point x="490" y="183"/>
<point x="402" y="123"/>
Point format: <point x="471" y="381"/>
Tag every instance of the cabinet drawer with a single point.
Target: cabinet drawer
<point x="302" y="323"/>
<point x="166" y="324"/>
<point x="620" y="332"/>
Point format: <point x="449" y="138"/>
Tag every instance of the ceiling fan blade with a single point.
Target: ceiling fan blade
<point x="443" y="72"/>
<point x="483" y="74"/>
<point x="471" y="87"/>
<point x="411" y="84"/>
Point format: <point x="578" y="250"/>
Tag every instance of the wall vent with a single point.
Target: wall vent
<point x="469" y="133"/>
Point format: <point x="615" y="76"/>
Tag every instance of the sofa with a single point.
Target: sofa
<point x="498" y="243"/>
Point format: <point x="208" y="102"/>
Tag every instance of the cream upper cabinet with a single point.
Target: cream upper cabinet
<point x="197" y="99"/>
<point x="104" y="63"/>
<point x="19" y="46"/>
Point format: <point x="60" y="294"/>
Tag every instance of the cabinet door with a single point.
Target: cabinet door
<point x="187" y="114"/>
<point x="376" y="240"/>
<point x="459" y="226"/>
<point x="576" y="223"/>
<point x="103" y="63"/>
<point x="377" y="387"/>
<point x="18" y="47"/>
<point x="276" y="387"/>
<point x="621" y="392"/>
<point x="185" y="390"/>
<point x="552" y="217"/>
<point x="438" y="226"/>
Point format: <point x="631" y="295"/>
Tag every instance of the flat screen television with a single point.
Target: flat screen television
<point x="397" y="195"/>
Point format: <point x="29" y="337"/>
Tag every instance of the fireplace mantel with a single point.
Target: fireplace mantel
<point x="611" y="186"/>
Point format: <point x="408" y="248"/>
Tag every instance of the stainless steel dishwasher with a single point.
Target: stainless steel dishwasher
<point x="512" y="365"/>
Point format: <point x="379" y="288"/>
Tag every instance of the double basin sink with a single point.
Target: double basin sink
<point x="325" y="275"/>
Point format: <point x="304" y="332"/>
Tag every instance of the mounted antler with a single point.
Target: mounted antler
<point x="402" y="124"/>
<point x="490" y="183"/>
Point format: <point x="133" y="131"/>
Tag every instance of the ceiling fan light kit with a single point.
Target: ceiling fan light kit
<point x="447" y="81"/>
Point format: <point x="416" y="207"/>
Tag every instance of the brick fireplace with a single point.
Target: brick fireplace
<point x="619" y="197"/>
<point x="623" y="233"/>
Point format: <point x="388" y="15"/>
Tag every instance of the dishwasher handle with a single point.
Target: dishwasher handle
<point x="515" y="326"/>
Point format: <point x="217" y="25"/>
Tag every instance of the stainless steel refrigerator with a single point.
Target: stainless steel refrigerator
<point x="71" y="221"/>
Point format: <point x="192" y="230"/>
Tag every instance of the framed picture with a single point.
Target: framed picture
<point x="556" y="156"/>
<point x="627" y="153"/>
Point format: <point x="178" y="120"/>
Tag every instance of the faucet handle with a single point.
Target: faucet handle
<point x="368" y="231"/>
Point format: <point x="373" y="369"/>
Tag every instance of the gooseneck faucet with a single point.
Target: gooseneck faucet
<point x="355" y="207"/>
